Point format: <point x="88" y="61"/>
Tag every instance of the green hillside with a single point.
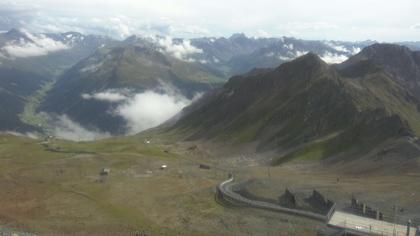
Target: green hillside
<point x="300" y="103"/>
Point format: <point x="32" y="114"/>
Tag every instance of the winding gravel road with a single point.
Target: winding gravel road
<point x="225" y="190"/>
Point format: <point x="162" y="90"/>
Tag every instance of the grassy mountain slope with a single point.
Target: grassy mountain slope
<point x="399" y="61"/>
<point x="303" y="103"/>
<point x="15" y="87"/>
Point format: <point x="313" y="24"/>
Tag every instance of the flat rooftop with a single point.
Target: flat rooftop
<point x="368" y="225"/>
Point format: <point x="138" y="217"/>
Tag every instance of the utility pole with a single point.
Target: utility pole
<point x="345" y="225"/>
<point x="268" y="172"/>
<point x="408" y="227"/>
<point x="395" y="219"/>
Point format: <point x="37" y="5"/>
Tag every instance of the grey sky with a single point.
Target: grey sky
<point x="322" y="19"/>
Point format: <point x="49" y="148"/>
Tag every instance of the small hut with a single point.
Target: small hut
<point x="105" y="172"/>
<point x="204" y="166"/>
<point x="288" y="199"/>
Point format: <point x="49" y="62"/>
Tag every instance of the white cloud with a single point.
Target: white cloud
<point x="179" y="50"/>
<point x="187" y="29"/>
<point x="285" y="58"/>
<point x="27" y="134"/>
<point x="262" y="34"/>
<point x="269" y="54"/>
<point x="416" y="26"/>
<point x="37" y="45"/>
<point x="121" y="24"/>
<point x="91" y="68"/>
<point x="337" y="47"/>
<point x="108" y="96"/>
<point x="292" y="55"/>
<point x="65" y="128"/>
<point x="300" y="53"/>
<point x="320" y="25"/>
<point x="324" y="19"/>
<point x="289" y="46"/>
<point x="355" y="50"/>
<point x="332" y="58"/>
<point x="142" y="110"/>
<point x="149" y="109"/>
<point x="341" y="48"/>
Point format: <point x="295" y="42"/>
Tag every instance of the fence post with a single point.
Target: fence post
<point x="408" y="227"/>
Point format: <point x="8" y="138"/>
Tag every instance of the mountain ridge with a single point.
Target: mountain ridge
<point x="303" y="101"/>
<point x="399" y="61"/>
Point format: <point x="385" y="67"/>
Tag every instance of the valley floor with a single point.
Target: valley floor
<point x="54" y="187"/>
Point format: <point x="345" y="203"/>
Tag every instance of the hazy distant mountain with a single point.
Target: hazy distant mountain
<point x="46" y="54"/>
<point x="239" y="54"/>
<point x="28" y="60"/>
<point x="306" y="103"/>
<point x="96" y="75"/>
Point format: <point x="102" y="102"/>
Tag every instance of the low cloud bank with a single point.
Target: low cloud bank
<point x="27" y="134"/>
<point x="91" y="68"/>
<point x="150" y="109"/>
<point x="37" y="45"/>
<point x="66" y="128"/>
<point x="108" y="96"/>
<point x="147" y="109"/>
<point x="141" y="111"/>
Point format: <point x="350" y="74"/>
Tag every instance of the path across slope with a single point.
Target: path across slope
<point x="334" y="218"/>
<point x="225" y="191"/>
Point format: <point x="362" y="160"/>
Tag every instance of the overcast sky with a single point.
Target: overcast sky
<point x="308" y="19"/>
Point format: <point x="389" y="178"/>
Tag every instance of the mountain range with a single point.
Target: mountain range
<point x="309" y="109"/>
<point x="187" y="67"/>
<point x="345" y="95"/>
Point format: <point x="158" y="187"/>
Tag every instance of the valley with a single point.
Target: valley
<point x="153" y="135"/>
<point x="30" y="114"/>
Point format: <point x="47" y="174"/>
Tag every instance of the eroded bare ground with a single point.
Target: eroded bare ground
<point x="61" y="193"/>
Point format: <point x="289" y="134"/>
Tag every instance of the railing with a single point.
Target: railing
<point x="225" y="191"/>
<point x="331" y="211"/>
<point x="369" y="229"/>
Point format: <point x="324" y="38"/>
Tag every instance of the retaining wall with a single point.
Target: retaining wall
<point x="224" y="191"/>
